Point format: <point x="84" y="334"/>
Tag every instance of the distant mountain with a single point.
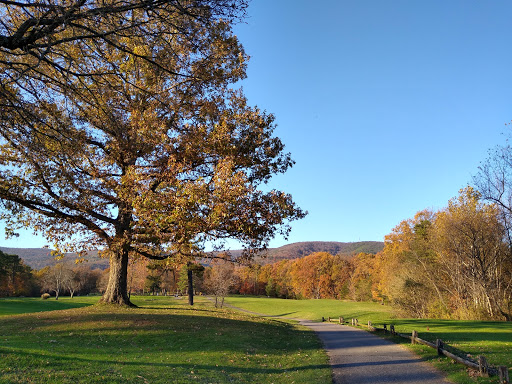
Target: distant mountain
<point x="297" y="250"/>
<point x="38" y="258"/>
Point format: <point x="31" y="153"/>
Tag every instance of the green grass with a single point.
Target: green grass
<point x="489" y="338"/>
<point x="312" y="309"/>
<point x="162" y="341"/>
<point x="16" y="305"/>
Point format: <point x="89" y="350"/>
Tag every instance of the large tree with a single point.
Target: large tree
<point x="149" y="152"/>
<point x="44" y="29"/>
<point x="40" y="40"/>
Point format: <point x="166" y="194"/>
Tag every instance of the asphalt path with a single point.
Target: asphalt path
<point x="358" y="357"/>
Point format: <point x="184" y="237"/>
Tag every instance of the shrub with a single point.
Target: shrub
<point x="45" y="296"/>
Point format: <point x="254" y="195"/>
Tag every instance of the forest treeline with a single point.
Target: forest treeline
<point x="452" y="263"/>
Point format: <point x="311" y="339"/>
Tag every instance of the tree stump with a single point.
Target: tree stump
<point x="483" y="366"/>
<point x="503" y="373"/>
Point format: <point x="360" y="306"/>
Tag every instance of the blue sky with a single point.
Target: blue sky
<point x="387" y="107"/>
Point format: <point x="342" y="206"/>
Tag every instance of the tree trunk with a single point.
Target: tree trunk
<point x="190" y="286"/>
<point x="117" y="287"/>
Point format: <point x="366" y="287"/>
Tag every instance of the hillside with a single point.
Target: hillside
<point x="38" y="258"/>
<point x="297" y="250"/>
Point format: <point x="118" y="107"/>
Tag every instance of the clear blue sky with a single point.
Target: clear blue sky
<point x="388" y="107"/>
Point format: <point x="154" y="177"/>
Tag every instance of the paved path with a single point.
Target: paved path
<point x="358" y="357"/>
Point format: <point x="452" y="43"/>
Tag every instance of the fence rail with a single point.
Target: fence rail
<point x="482" y="366"/>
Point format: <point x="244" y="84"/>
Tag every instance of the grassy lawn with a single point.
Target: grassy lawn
<point x="162" y="341"/>
<point x="16" y="305"/>
<point x="313" y="309"/>
<point x="491" y="339"/>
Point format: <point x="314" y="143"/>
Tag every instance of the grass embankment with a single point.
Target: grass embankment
<point x="162" y="341"/>
<point x="489" y="338"/>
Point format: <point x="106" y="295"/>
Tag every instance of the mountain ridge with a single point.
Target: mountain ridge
<point x="38" y="258"/>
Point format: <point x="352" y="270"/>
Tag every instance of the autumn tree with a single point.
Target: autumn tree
<point x="152" y="154"/>
<point x="341" y="272"/>
<point x="39" y="40"/>
<point x="311" y="275"/>
<point x="451" y="263"/>
<point x="249" y="278"/>
<point x="408" y="271"/>
<point x="361" y="277"/>
<point x="137" y="273"/>
<point x="476" y="259"/>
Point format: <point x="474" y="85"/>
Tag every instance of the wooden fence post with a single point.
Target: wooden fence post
<point x="342" y="320"/>
<point x="483" y="366"/>
<point x="392" y="329"/>
<point x="414" y="335"/>
<point x="385" y="328"/>
<point x="323" y="319"/>
<point x="357" y="322"/>
<point x="439" y="346"/>
<point x="503" y="372"/>
<point x="369" y="324"/>
<point x="329" y="319"/>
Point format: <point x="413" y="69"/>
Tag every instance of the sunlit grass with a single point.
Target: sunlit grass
<point x="162" y="341"/>
<point x="313" y="309"/>
<point x="489" y="338"/>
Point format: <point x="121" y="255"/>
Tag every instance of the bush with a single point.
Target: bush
<point x="45" y="296"/>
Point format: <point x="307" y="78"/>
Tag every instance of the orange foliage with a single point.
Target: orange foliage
<point x="319" y="275"/>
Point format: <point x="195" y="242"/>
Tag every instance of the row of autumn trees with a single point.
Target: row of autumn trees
<point x="18" y="279"/>
<point x="451" y="263"/>
<point x="144" y="277"/>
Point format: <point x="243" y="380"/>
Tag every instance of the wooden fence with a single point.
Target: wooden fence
<point x="482" y="366"/>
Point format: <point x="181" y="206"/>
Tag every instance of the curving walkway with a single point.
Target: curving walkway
<point x="358" y="357"/>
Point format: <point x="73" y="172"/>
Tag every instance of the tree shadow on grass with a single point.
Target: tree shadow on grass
<point x="62" y="362"/>
<point x="129" y="330"/>
<point x="158" y="342"/>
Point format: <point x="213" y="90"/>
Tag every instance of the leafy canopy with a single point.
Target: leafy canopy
<point x="134" y="139"/>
